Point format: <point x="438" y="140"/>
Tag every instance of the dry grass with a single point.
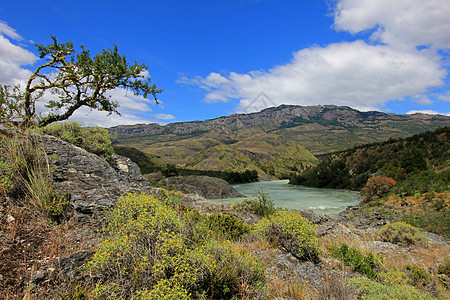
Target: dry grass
<point x="347" y="237"/>
<point x="29" y="242"/>
<point x="423" y="257"/>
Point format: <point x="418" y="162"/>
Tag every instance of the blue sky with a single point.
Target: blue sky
<point x="215" y="58"/>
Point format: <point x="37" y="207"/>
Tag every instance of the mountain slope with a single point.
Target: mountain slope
<point x="320" y="129"/>
<point x="265" y="153"/>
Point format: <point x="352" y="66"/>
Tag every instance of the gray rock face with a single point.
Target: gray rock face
<point x="71" y="265"/>
<point x="207" y="187"/>
<point x="92" y="182"/>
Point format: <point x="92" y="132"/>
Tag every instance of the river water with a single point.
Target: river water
<point x="285" y="195"/>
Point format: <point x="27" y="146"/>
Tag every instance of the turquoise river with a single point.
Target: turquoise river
<point x="322" y="201"/>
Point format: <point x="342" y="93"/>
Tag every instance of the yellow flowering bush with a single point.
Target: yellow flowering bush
<point x="291" y="231"/>
<point x="147" y="253"/>
<point x="165" y="290"/>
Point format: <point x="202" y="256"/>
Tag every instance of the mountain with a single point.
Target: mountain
<point x="319" y="129"/>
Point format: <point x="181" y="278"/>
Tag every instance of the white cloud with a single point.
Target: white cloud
<point x="13" y="57"/>
<point x="399" y="23"/>
<point x="428" y="112"/>
<point x="354" y="74"/>
<point x="444" y="96"/>
<point x="360" y="74"/>
<point x="88" y="117"/>
<point x="164" y="116"/>
<point x="129" y="102"/>
<point x="8" y="31"/>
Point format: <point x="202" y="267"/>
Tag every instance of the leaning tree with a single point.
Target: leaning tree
<point x="74" y="80"/>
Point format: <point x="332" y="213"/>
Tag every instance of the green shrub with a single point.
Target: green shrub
<point x="401" y="233"/>
<point x="93" y="139"/>
<point x="431" y="220"/>
<point x="372" y="290"/>
<point x="367" y="264"/>
<point x="292" y="232"/>
<point x="418" y="276"/>
<point x="263" y="206"/>
<point x="227" y="225"/>
<point x="444" y="267"/>
<point x="223" y="270"/>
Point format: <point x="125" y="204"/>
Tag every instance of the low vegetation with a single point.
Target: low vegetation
<point x="154" y="247"/>
<point x="364" y="263"/>
<point x="262" y="206"/>
<point x="403" y="234"/>
<point x="25" y="174"/>
<point x="292" y="232"/>
<point x="93" y="139"/>
<point x="373" y="290"/>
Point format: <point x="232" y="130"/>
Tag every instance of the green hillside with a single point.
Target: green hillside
<point x="265" y="153"/>
<point x="425" y="156"/>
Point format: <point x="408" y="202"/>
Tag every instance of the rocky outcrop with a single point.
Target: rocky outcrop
<point x="91" y="182"/>
<point x="205" y="186"/>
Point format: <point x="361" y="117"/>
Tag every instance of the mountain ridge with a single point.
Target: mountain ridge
<point x="320" y="129"/>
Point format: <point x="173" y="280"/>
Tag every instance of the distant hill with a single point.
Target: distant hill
<point x="319" y="129"/>
<point x="420" y="163"/>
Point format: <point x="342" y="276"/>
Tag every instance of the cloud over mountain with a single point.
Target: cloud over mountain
<point x="399" y="60"/>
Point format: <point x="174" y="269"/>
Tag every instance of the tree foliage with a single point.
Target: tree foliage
<point x="377" y="186"/>
<point x="74" y="80"/>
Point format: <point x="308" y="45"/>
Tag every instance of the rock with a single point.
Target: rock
<point x="435" y="240"/>
<point x="313" y="217"/>
<point x="130" y="172"/>
<point x="71" y="265"/>
<point x="364" y="219"/>
<point x="205" y="186"/>
<point x="38" y="277"/>
<point x="380" y="247"/>
<point x="288" y="267"/>
<point x="92" y="183"/>
<point x="157" y="176"/>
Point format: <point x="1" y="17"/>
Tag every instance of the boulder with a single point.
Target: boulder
<point x="157" y="176"/>
<point x="205" y="186"/>
<point x="90" y="181"/>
